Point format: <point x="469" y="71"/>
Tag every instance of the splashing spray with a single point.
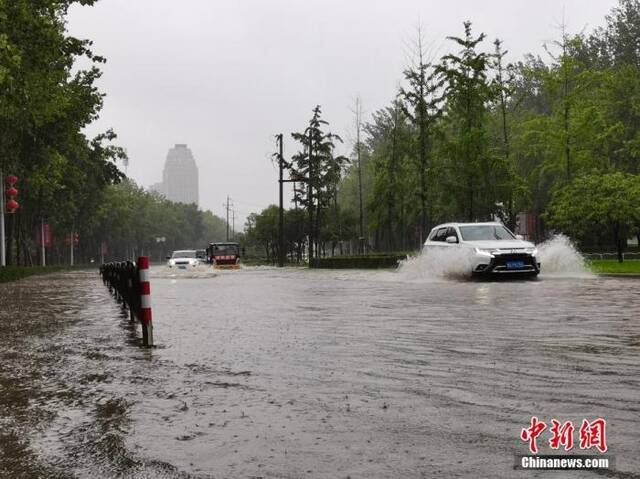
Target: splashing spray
<point x="560" y="258"/>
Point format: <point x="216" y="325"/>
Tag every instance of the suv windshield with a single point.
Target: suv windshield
<point x="485" y="232"/>
<point x="183" y="254"/>
<point x="225" y="248"/>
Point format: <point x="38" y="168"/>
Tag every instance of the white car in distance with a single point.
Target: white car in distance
<point x="490" y="248"/>
<point x="182" y="259"/>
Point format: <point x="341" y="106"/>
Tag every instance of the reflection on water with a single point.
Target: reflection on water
<point x="289" y="373"/>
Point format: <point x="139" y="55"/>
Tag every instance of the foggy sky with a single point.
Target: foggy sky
<point x="225" y="76"/>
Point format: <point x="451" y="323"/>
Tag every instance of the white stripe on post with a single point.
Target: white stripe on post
<point x="145" y="301"/>
<point x="144" y="274"/>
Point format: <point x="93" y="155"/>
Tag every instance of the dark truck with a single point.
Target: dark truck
<point x="224" y="255"/>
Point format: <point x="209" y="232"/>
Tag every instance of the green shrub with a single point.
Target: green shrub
<point x="359" y="262"/>
<point x="13" y="273"/>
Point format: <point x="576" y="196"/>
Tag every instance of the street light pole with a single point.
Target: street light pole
<point x="293" y="178"/>
<point x="3" y="254"/>
<point x="43" y="261"/>
<point x="310" y="195"/>
<point x="281" y="211"/>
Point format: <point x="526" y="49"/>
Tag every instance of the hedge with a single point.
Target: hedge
<point x="359" y="262"/>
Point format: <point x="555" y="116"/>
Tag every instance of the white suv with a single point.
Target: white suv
<point x="490" y="248"/>
<point x="183" y="258"/>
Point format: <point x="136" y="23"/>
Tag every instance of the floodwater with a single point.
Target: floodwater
<point x="312" y="373"/>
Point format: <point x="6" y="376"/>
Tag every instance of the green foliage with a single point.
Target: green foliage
<point x="470" y="137"/>
<point x="45" y="102"/>
<point x="598" y="202"/>
<point x="477" y="139"/>
<point x="321" y="171"/>
<point x="607" y="266"/>
<point x="470" y="168"/>
<point x="421" y="105"/>
<point x="392" y="199"/>
<point x="14" y="273"/>
<point x="130" y="220"/>
<point x="359" y="262"/>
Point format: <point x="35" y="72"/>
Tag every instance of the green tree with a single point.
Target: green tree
<point x="317" y="163"/>
<point x="45" y="102"/>
<point x="390" y="143"/>
<point x="616" y="43"/>
<point x="421" y="104"/>
<point x="590" y="204"/>
<point x="472" y="169"/>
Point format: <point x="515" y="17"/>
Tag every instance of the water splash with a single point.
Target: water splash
<point x="560" y="258"/>
<point x="199" y="272"/>
<point x="437" y="264"/>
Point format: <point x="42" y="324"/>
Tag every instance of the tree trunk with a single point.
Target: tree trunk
<point x="618" y="241"/>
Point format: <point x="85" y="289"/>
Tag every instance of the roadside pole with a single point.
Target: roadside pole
<point x="145" y="301"/>
<point x="43" y="261"/>
<point x="3" y="254"/>
<point x="293" y="178"/>
<point x="227" y="217"/>
<point x="281" y="211"/>
<point x="310" y="195"/>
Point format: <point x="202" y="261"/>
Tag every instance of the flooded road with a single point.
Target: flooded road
<point x="312" y="373"/>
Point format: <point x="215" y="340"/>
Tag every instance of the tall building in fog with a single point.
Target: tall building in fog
<point x="180" y="176"/>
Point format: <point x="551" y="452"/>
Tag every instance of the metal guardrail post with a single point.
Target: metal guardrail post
<point x="145" y="301"/>
<point x="129" y="283"/>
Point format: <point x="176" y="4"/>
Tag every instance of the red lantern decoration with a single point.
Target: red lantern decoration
<point x="12" y="206"/>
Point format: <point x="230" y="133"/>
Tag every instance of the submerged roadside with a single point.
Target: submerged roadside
<point x="14" y="273"/>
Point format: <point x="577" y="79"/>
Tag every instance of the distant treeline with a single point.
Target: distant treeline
<point x="472" y="137"/>
<point x="132" y="222"/>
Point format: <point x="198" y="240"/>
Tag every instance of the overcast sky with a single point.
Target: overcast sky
<point x="226" y="76"/>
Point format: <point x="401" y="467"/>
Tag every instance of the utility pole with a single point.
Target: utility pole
<point x="358" y="113"/>
<point x="3" y="254"/>
<point x="310" y="194"/>
<point x="281" y="209"/>
<point x="226" y="206"/>
<point x="43" y="252"/>
<point x="71" y="246"/>
<point x="233" y="224"/>
<point x="281" y="181"/>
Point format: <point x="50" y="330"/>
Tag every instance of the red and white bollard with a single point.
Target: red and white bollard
<point x="145" y="301"/>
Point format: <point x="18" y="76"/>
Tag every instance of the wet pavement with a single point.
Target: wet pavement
<point x="296" y="373"/>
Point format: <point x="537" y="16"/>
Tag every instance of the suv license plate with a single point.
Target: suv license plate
<point x="515" y="264"/>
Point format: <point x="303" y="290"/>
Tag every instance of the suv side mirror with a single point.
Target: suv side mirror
<point x="519" y="237"/>
<point x="452" y="239"/>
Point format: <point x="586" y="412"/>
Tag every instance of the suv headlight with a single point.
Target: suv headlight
<point x="485" y="251"/>
<point x="531" y="251"/>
